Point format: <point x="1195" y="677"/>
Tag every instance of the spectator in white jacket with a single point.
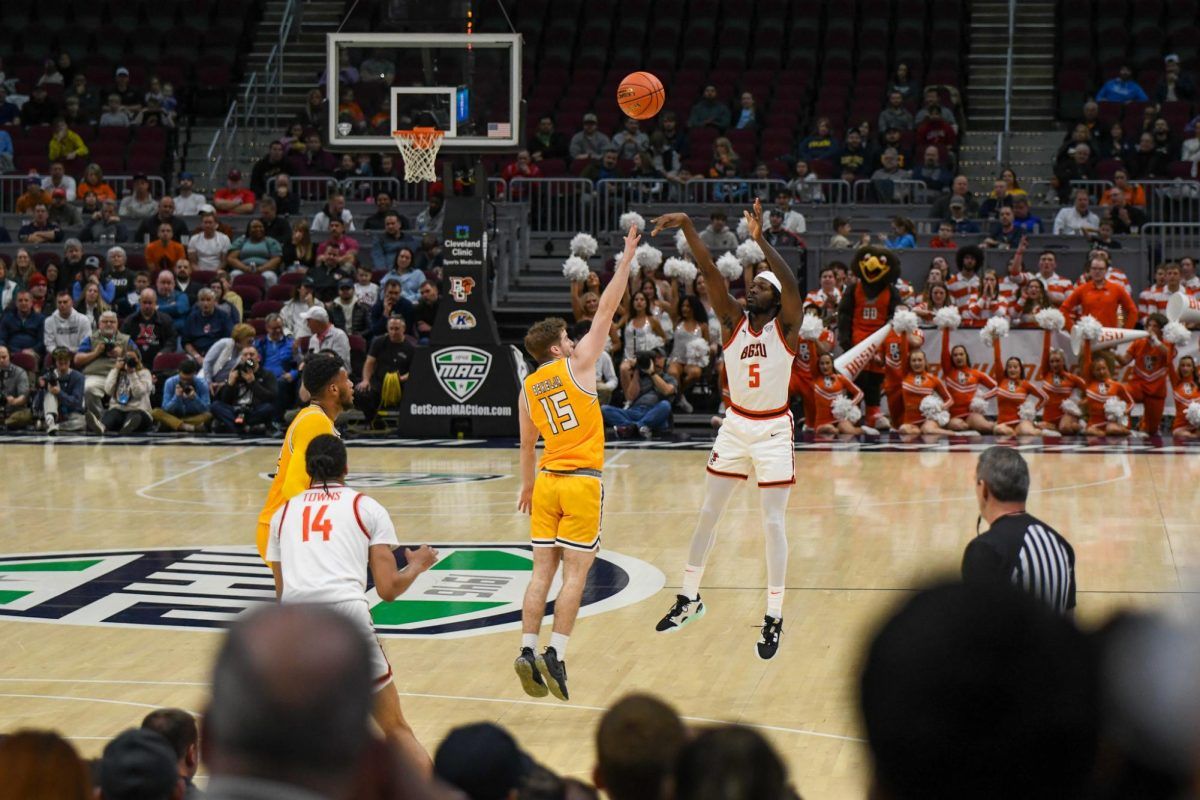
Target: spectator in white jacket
<point x="335" y="208"/>
<point x="66" y="327"/>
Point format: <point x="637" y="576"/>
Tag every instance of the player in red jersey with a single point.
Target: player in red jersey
<point x="1148" y="385"/>
<point x="963" y="382"/>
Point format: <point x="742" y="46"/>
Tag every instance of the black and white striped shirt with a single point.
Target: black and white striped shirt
<point x="1025" y="552"/>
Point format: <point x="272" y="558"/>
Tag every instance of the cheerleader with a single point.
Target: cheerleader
<point x="579" y="291"/>
<point x="896" y="349"/>
<point x="963" y="382"/>
<point x="924" y="394"/>
<point x="935" y="296"/>
<point x="815" y="340"/>
<point x="691" y="348"/>
<point x="986" y="303"/>
<point x="1148" y="385"/>
<point x="1013" y="416"/>
<point x="1057" y="384"/>
<point x="644" y="331"/>
<point x="1186" y="392"/>
<point x="1102" y="391"/>
<point x="836" y="401"/>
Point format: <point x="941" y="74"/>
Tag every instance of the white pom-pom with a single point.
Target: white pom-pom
<point x="1193" y="414"/>
<point x="1050" y="319"/>
<point x="1176" y="333"/>
<point x="749" y="253"/>
<point x="995" y="328"/>
<point x="1028" y="409"/>
<point x="584" y="245"/>
<point x="648" y="257"/>
<point x="905" y="321"/>
<point x="575" y="269"/>
<point x="844" y="408"/>
<point x="630" y="219"/>
<point x="1089" y="328"/>
<point x="696" y="353"/>
<point x="1114" y="410"/>
<point x="811" y="327"/>
<point x="947" y="318"/>
<point x="681" y="244"/>
<point x="743" y="229"/>
<point x="979" y="404"/>
<point x="931" y="408"/>
<point x="729" y="266"/>
<point x="1071" y="406"/>
<point x="679" y="268"/>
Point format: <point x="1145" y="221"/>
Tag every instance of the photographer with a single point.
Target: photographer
<point x="128" y="386"/>
<point x="59" y="401"/>
<point x="223" y="356"/>
<point x="248" y="399"/>
<point x="14" y="394"/>
<point x="649" y="390"/>
<point x="185" y="401"/>
<point x="97" y="357"/>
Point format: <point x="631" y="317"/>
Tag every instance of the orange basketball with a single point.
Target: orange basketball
<point x="641" y="95"/>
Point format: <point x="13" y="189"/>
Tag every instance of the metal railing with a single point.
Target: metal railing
<point x="735" y="190"/>
<point x="13" y="186"/>
<point x="1176" y="200"/>
<point x="263" y="97"/>
<point x="1163" y="241"/>
<point x="220" y="150"/>
<point x="1002" y="143"/>
<point x="318" y="187"/>
<point x="901" y="190"/>
<point x="562" y="206"/>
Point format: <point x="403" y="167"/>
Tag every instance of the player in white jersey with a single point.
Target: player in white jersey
<point x="320" y="544"/>
<point x="760" y="345"/>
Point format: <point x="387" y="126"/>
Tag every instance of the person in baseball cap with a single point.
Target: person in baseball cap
<point x="484" y="761"/>
<point x="316" y="314"/>
<point x="139" y="765"/>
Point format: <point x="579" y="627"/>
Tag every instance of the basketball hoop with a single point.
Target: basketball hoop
<point x="419" y="148"/>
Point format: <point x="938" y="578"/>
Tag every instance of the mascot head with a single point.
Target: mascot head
<point x="876" y="268"/>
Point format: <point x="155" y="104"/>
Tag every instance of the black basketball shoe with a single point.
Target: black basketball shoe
<point x="554" y="673"/>
<point x="683" y="612"/>
<point x="768" y="643"/>
<point x="527" y="671"/>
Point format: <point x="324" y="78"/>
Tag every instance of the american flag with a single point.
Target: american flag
<point x="499" y="130"/>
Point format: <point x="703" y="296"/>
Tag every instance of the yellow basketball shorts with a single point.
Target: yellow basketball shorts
<point x="567" y="510"/>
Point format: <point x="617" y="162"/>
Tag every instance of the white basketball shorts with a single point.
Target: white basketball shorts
<point x="764" y="444"/>
<point x="360" y="614"/>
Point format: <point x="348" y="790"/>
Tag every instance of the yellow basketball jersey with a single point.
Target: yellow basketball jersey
<point x="291" y="472"/>
<point x="567" y="416"/>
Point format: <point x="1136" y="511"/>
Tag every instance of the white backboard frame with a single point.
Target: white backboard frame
<point x="450" y="91"/>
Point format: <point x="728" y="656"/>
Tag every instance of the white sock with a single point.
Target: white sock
<point x="691" y="581"/>
<point x="529" y="640"/>
<point x="559" y="642"/>
<point x="775" y="602"/>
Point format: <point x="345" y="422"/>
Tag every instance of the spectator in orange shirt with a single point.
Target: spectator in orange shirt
<point x="1135" y="193"/>
<point x="234" y="198"/>
<point x="93" y="182"/>
<point x="164" y="252"/>
<point x="34" y="195"/>
<point x="1100" y="298"/>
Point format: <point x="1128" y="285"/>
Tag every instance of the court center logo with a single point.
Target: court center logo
<point x="461" y="370"/>
<point x="473" y="589"/>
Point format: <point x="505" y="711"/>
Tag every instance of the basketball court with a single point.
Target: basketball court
<point x="95" y="639"/>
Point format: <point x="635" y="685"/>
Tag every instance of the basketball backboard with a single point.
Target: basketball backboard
<point x="466" y="85"/>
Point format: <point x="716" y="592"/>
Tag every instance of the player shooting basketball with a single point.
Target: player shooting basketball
<point x="760" y="344"/>
<point x="564" y="494"/>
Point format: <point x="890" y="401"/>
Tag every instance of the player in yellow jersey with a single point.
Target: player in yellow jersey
<point x="563" y="495"/>
<point x="325" y="379"/>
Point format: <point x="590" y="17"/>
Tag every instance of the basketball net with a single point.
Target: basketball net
<point x="419" y="148"/>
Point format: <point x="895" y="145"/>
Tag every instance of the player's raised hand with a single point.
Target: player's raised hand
<point x="675" y="220"/>
<point x="421" y="558"/>
<point x="754" y="219"/>
<point x="632" y="239"/>
<point x="525" y="499"/>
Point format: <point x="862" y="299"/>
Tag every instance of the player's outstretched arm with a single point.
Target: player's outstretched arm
<point x="391" y="582"/>
<point x="589" y="348"/>
<point x="790" y="300"/>
<point x="728" y="311"/>
<point x="529" y="437"/>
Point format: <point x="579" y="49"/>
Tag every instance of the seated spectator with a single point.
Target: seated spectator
<point x="1023" y="218"/>
<point x="39" y="288"/>
<point x="233" y="198"/>
<point x="93" y="183"/>
<point x="22" y="329"/>
<point x="66" y="144"/>
<point x="430" y="257"/>
<point x="383" y="207"/>
<point x="10" y="114"/>
<point x="385" y="371"/>
<point x="884" y="181"/>
<point x="841" y="234"/>
<point x="150" y="330"/>
<point x="7" y="155"/>
<point x="430" y="220"/>
<point x="739" y="760"/>
<point x="747" y="114"/>
<point x="932" y="173"/>
<point x="1147" y="163"/>
<point x="629" y="141"/>
<point x="59" y="401"/>
<point x="171" y="301"/>
<point x="58" y="179"/>
<point x="334" y="209"/>
<point x="33" y="196"/>
<point x="205" y="325"/>
<point x="187" y="201"/>
<point x="62" y="213"/>
<point x="820" y="144"/>
<point x="277" y="351"/>
<point x="14" y="394"/>
<point x="390" y="242"/>
<point x="717" y="236"/>
<point x="164" y="252"/>
<point x="364" y="288"/>
<point x="709" y="112"/>
<point x="895" y="115"/>
<point x="903" y="235"/>
<point x="349" y="314"/>
<point x="779" y="236"/>
<point x="1134" y="194"/>
<point x="299" y="252"/>
<point x="179" y="728"/>
<point x="293" y="311"/>
<point x="793" y="220"/>
<point x="90" y="303"/>
<point x="131" y="98"/>
<point x="958" y="218"/>
<point x="113" y="115"/>
<point x="425" y="311"/>
<point x="184" y="282"/>
<point x="223" y="356"/>
<point x="186" y="401"/>
<point x="266" y="168"/>
<point x="314" y="160"/>
<point x="932" y="102"/>
<point x="140" y="204"/>
<point x="649" y="391"/>
<point x="256" y="253"/>
<point x="227" y="299"/>
<point x="854" y="158"/>
<point x="1078" y="166"/>
<point x="1164" y="140"/>
<point x="128" y="387"/>
<point x="66" y="327"/>
<point x="40" y="230"/>
<point x="936" y="131"/>
<point x="1077" y="219"/>
<point x="98" y="354"/>
<point x="391" y="303"/>
<point x="1122" y="89"/>
<point x="1004" y="234"/>
<point x="339" y="252"/>
<point x="127" y="300"/>
<point x="39" y="109"/>
<point x="1103" y="239"/>
<point x="247" y="400"/>
<point x="804" y="185"/>
<point x="944" y="239"/>
<point x="403" y="272"/>
<point x="210" y="248"/>
<point x="547" y="142"/>
<point x="23" y="270"/>
<point x="1175" y="85"/>
<point x="961" y="189"/>
<point x="105" y="225"/>
<point x="274" y="225"/>
<point x="482" y="761"/>
<point x="1125" y="218"/>
<point x="8" y="287"/>
<point x="147" y="230"/>
<point x="323" y="336"/>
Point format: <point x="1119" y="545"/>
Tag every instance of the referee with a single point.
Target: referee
<point x="1017" y="548"/>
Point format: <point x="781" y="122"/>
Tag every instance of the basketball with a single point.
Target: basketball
<point x="641" y="95"/>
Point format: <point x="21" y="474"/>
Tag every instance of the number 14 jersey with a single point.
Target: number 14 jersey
<point x="567" y="416"/>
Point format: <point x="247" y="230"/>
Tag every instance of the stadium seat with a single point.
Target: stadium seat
<point x="280" y="292"/>
<point x="252" y="279"/>
<point x="168" y="362"/>
<point x="264" y="307"/>
<point x="25" y="361"/>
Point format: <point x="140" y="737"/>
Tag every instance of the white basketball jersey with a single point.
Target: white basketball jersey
<point x="321" y="540"/>
<point x="758" y="366"/>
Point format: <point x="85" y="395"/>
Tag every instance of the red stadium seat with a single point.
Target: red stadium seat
<point x="264" y="307"/>
<point x="280" y="292"/>
<point x="251" y="279"/>
<point x="25" y="361"/>
<point x="249" y="294"/>
<point x="168" y="362"/>
<point x="259" y="325"/>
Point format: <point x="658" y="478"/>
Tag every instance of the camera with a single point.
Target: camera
<point x="50" y="378"/>
<point x="645" y="360"/>
<point x="109" y="346"/>
<point x="246" y="366"/>
<point x="131" y="362"/>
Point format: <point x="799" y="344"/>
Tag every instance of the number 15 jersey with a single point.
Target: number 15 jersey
<point x="567" y="416"/>
<point x="321" y="539"/>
